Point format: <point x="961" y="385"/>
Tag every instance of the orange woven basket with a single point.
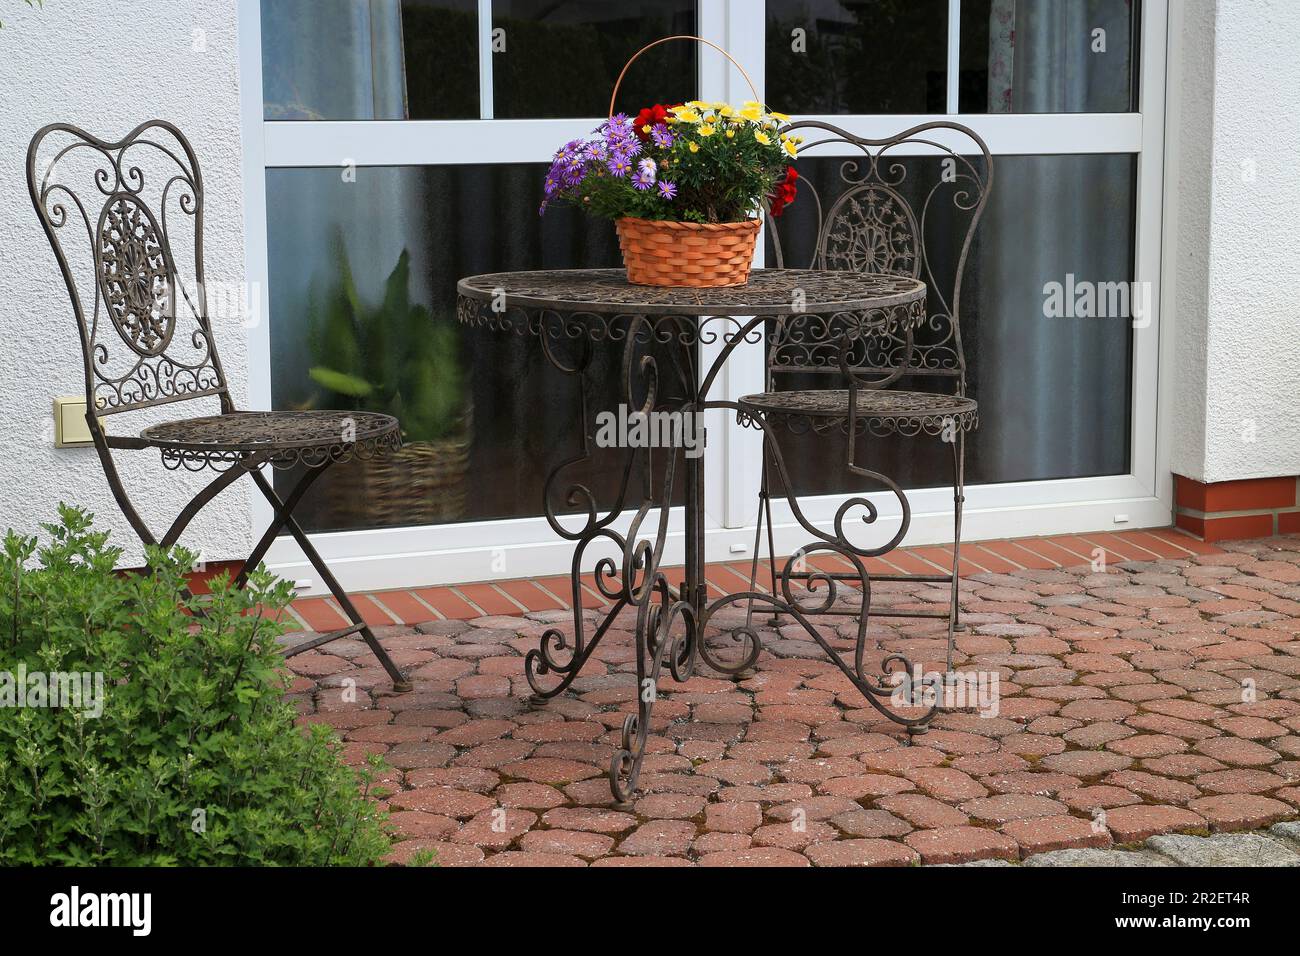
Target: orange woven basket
<point x="660" y="252"/>
<point x="700" y="255"/>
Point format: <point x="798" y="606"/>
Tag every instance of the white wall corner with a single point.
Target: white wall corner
<point x="1235" y="137"/>
<point x="1188" y="188"/>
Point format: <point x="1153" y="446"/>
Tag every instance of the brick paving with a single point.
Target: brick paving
<point x="1161" y="696"/>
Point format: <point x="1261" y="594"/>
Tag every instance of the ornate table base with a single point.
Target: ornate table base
<point x="672" y="620"/>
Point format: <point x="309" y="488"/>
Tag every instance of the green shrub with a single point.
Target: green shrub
<point x="195" y="758"/>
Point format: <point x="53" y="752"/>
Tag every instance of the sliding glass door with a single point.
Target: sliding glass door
<point x="393" y="146"/>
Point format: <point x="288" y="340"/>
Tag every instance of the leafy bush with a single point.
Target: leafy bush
<point x="195" y="758"/>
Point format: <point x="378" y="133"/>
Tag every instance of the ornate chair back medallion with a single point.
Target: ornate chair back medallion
<point x="126" y="223"/>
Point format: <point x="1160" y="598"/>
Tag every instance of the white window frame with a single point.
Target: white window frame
<point x="468" y="551"/>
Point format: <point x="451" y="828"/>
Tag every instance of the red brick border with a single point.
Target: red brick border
<point x="1225" y="510"/>
<point x="514" y="597"/>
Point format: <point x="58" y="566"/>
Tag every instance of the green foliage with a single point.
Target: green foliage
<point x="395" y="357"/>
<point x="195" y="758"/>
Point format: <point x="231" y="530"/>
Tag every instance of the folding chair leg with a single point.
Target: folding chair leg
<point x="764" y="511"/>
<point x="958" y="499"/>
<point x="758" y="547"/>
<point x="766" y="503"/>
<point x="282" y="510"/>
<point x="284" y="519"/>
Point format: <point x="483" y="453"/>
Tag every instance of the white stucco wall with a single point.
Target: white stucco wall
<point x="106" y="66"/>
<point x="1235" y="133"/>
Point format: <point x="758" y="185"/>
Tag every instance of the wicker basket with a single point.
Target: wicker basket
<point x="657" y="252"/>
<point x="420" y="483"/>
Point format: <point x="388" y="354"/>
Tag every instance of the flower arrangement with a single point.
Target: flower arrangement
<point x="696" y="162"/>
<point x="683" y="184"/>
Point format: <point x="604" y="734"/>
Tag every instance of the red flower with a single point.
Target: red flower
<point x="784" y="192"/>
<point x="651" y="117"/>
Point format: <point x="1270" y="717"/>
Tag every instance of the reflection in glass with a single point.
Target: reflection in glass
<point x="1054" y="392"/>
<point x="561" y="57"/>
<point x="362" y="289"/>
<point x="1048" y="56"/>
<point x="369" y="59"/>
<point x="419" y="59"/>
<point x="857" y="56"/>
<point x="440" y="47"/>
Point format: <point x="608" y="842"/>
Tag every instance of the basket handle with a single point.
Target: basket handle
<point x="685" y="36"/>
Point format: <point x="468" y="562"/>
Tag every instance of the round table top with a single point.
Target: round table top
<point x="768" y="292"/>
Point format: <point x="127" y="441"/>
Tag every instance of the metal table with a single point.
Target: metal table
<point x="572" y="312"/>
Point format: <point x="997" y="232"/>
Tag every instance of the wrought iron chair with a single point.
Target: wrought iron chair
<point x="147" y="340"/>
<point x="873" y="227"/>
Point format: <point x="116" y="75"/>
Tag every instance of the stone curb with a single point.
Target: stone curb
<point x="1278" y="846"/>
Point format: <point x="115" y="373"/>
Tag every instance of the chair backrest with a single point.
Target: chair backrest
<point x="906" y="205"/>
<point x="125" y="220"/>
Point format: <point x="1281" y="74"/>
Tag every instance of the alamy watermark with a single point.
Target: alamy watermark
<point x="956" y="690"/>
<point x="623" y="428"/>
<point x="1084" y="299"/>
<point x="133" y="911"/>
<point x="83" y="691"/>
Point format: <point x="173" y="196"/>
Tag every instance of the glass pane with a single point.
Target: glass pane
<point x="440" y="43"/>
<point x="1053" y="391"/>
<point x="1048" y="56"/>
<point x="369" y="59"/>
<point x="857" y="56"/>
<point x="362" y="289"/>
<point x="561" y="59"/>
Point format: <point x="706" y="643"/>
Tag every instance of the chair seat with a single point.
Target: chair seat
<point x="283" y="439"/>
<point x="879" y="411"/>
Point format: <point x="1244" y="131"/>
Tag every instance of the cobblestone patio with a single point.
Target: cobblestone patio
<point x="1155" y="698"/>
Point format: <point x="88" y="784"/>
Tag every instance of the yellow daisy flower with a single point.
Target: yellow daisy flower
<point x="685" y="114"/>
<point x="780" y="116"/>
<point x="695" y="147"/>
<point x="762" y="137"/>
<point x="708" y="129"/>
<point x="790" y="148"/>
<point x="752" y="112"/>
<point x="731" y="134"/>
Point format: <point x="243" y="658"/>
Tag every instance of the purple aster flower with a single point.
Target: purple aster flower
<point x="573" y="171"/>
<point x="648" y="168"/>
<point x="642" y="181"/>
<point x="667" y="190"/>
<point x="662" y="136"/>
<point x="626" y="144"/>
<point x="619" y="166"/>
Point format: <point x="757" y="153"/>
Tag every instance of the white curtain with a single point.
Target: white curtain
<point x="1045" y="56"/>
<point x="333" y="59"/>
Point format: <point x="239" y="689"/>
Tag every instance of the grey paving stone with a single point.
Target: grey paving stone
<point x="1225" y="849"/>
<point x="1097" y="858"/>
<point x="979" y="863"/>
<point x="1290" y="831"/>
<point x="445" y="628"/>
